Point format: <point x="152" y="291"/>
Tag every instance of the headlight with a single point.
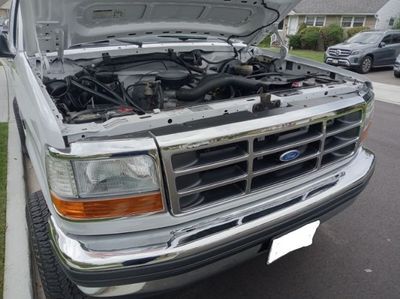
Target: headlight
<point x="104" y="188"/>
<point x="356" y="52"/>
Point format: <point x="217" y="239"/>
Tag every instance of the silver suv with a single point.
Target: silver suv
<point x="366" y="50"/>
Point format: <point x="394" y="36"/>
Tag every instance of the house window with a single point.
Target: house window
<point x="358" y="21"/>
<point x="353" y="22"/>
<point x="280" y="25"/>
<point x="391" y="22"/>
<point x="317" y="21"/>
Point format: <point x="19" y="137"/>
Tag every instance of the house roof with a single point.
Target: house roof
<point x="330" y="7"/>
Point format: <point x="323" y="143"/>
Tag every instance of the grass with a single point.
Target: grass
<point x="309" y="54"/>
<point x="3" y="195"/>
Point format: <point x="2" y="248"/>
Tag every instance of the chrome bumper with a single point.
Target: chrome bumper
<point x="204" y="247"/>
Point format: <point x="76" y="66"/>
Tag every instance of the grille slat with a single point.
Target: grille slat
<point x="204" y="167"/>
<point x="340" y="145"/>
<point x="285" y="165"/>
<point x="343" y="129"/>
<point x="216" y="172"/>
<point x="278" y="148"/>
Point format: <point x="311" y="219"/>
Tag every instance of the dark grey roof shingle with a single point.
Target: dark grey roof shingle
<point x="339" y="6"/>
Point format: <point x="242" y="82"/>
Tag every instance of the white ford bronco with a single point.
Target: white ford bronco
<point x="168" y="146"/>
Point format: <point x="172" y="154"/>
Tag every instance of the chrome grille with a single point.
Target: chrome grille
<point x="206" y="175"/>
<point x="339" y="52"/>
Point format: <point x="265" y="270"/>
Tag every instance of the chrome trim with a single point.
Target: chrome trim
<point x="249" y="131"/>
<point x="339" y="52"/>
<point x="344" y="62"/>
<point x="80" y="254"/>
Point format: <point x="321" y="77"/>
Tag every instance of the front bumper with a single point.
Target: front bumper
<point x="198" y="250"/>
<point x="350" y="61"/>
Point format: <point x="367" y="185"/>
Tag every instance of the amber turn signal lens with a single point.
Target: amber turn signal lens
<point x="364" y="134"/>
<point x="108" y="208"/>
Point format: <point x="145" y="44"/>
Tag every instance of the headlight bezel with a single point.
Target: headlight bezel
<point x="98" y="152"/>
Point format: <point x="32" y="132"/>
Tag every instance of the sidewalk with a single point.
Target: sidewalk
<point x="387" y="92"/>
<point x="17" y="272"/>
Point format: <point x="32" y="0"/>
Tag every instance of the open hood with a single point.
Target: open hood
<point x="60" y="24"/>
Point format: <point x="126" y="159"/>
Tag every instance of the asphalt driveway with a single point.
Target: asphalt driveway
<point x="355" y="254"/>
<point x="384" y="75"/>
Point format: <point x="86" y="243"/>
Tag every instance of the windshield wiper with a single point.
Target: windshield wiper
<point x="108" y="42"/>
<point x="184" y="37"/>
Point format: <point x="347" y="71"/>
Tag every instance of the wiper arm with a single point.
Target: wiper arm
<point x="185" y="37"/>
<point x="108" y="41"/>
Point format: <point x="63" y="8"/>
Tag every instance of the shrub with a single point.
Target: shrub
<point x="310" y="37"/>
<point x="331" y="35"/>
<point x="295" y="41"/>
<point x="353" y="31"/>
<point x="397" y="24"/>
<point x="266" y="43"/>
<point x="301" y="28"/>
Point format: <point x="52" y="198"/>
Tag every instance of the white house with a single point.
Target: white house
<point x="375" y="14"/>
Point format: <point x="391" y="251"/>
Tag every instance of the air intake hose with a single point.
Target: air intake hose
<point x="204" y="87"/>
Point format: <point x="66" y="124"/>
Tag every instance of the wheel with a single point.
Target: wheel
<point x="365" y="65"/>
<point x="397" y="74"/>
<point x="20" y="127"/>
<point x="55" y="283"/>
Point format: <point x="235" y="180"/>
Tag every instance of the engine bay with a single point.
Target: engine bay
<point x="96" y="90"/>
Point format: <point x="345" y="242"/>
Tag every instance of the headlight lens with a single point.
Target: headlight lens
<point x="115" y="176"/>
<point x="356" y="52"/>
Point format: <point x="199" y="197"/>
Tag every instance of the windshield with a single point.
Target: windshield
<point x="365" y="38"/>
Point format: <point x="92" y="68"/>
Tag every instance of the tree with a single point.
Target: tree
<point x="397" y="24"/>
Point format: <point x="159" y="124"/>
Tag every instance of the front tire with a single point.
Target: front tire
<point x="56" y="284"/>
<point x="365" y="65"/>
<point x="397" y="74"/>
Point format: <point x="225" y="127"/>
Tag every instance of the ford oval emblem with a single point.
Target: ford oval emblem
<point x="290" y="156"/>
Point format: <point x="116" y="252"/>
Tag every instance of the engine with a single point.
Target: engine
<point x="150" y="83"/>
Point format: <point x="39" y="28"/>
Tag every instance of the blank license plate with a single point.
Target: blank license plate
<point x="335" y="61"/>
<point x="292" y="241"/>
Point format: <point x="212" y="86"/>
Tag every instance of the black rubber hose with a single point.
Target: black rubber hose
<point x="96" y="93"/>
<point x="194" y="94"/>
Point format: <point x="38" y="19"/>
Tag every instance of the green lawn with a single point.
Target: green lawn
<point x="3" y="195"/>
<point x="314" y="55"/>
<point x="309" y="54"/>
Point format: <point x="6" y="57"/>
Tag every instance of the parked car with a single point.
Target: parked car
<point x="366" y="50"/>
<point x="168" y="147"/>
<point x="396" y="67"/>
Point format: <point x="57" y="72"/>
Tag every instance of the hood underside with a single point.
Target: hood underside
<point x="64" y="23"/>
